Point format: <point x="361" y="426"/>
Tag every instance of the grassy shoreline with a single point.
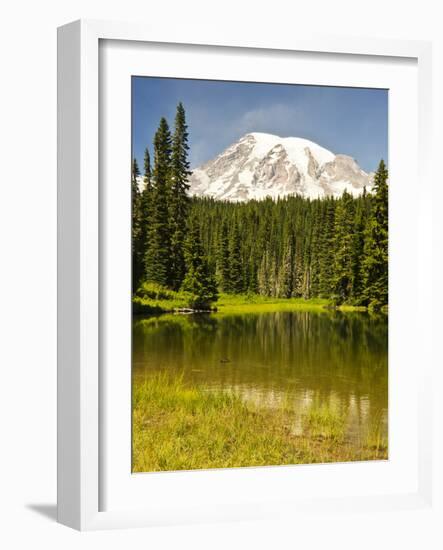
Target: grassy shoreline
<point x="243" y="303"/>
<point x="171" y="302"/>
<point x="181" y="427"/>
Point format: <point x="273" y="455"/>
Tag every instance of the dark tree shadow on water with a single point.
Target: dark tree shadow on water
<point x="48" y="511"/>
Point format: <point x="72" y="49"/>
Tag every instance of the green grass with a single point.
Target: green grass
<point x="148" y="306"/>
<point x="251" y="303"/>
<point x="181" y="427"/>
<point x="375" y="439"/>
<point x="323" y="422"/>
<point x="153" y="299"/>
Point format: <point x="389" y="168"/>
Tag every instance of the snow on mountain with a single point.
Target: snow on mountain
<point x="263" y="165"/>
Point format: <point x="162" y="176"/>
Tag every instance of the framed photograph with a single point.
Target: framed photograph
<point x="241" y="276"/>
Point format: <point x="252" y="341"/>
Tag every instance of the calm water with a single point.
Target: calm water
<point x="306" y="358"/>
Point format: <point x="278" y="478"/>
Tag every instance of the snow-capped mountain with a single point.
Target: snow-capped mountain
<point x="263" y="165"/>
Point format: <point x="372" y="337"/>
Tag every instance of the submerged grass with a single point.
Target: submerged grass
<point x="181" y="427"/>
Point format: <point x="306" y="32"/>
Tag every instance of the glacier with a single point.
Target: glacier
<point x="261" y="165"/>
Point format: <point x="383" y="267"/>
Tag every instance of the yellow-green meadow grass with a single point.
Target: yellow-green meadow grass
<point x="177" y="426"/>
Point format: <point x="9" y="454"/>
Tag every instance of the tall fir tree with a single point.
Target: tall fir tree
<point x="344" y="235"/>
<point x="375" y="261"/>
<point x="315" y="256"/>
<point x="297" y="277"/>
<point x="199" y="280"/>
<point x="235" y="261"/>
<point x="158" y="252"/>
<point x="223" y="267"/>
<point x="263" y="275"/>
<point x="326" y="251"/>
<point x="147" y="167"/>
<point x="178" y="199"/>
<point x="146" y="200"/>
<point x="306" y="284"/>
<point x="251" y="282"/>
<point x="358" y="248"/>
<point x="286" y="273"/>
<point x="136" y="227"/>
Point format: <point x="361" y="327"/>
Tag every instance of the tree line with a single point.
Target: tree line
<point x="166" y="245"/>
<point x="334" y="248"/>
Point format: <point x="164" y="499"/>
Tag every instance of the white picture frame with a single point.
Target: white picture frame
<point x="81" y="413"/>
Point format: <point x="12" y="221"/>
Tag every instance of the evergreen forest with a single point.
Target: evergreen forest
<point x="331" y="248"/>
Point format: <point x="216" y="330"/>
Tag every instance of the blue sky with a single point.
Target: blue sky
<point x="351" y="121"/>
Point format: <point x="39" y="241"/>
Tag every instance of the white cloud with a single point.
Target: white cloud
<point x="277" y="118"/>
<point x="218" y="131"/>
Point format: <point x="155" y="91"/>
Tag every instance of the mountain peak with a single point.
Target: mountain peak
<point x="261" y="165"/>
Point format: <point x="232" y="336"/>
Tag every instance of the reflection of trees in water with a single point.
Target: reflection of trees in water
<point x="328" y="355"/>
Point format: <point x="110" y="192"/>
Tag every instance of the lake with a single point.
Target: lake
<point x="297" y="358"/>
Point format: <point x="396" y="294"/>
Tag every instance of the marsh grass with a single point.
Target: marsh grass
<point x="181" y="427"/>
<point x="325" y="423"/>
<point x="375" y="438"/>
